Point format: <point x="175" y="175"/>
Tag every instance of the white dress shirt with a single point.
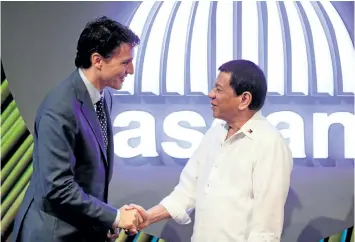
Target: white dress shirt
<point x="94" y="93"/>
<point x="238" y="187"/>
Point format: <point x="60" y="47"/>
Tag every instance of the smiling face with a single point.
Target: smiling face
<point x="113" y="70"/>
<point x="226" y="105"/>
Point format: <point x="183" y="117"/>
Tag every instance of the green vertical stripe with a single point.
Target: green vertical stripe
<point x="8" y="110"/>
<point x="142" y="237"/>
<point x="335" y="237"/>
<point x="10" y="215"/>
<point x="20" y="185"/>
<point x="16" y="173"/>
<point x="122" y="237"/>
<point x="5" y="92"/>
<point x="13" y="137"/>
<point x="15" y="157"/>
<point x="9" y="122"/>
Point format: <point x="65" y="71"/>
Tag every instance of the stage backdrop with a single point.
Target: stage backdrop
<point x="306" y="50"/>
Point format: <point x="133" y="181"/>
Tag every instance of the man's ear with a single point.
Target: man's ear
<point x="246" y="99"/>
<point x="96" y="60"/>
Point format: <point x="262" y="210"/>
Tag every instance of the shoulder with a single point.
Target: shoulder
<point x="273" y="149"/>
<point x="268" y="135"/>
<point x="60" y="100"/>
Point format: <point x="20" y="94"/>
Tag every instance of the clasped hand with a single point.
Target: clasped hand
<point x="132" y="219"/>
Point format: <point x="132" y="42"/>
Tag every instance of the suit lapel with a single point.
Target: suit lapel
<point x="91" y="117"/>
<point x="110" y="147"/>
<point x="89" y="111"/>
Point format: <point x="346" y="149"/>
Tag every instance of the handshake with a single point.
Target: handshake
<point x="132" y="219"/>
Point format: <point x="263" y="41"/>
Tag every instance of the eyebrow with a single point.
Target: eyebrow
<point x="218" y="85"/>
<point x="127" y="60"/>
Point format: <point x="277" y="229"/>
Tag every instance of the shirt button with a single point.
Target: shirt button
<point x="207" y="188"/>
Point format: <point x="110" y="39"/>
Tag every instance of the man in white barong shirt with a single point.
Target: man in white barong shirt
<point x="238" y="179"/>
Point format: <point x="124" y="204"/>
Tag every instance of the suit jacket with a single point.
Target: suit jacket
<point x="67" y="195"/>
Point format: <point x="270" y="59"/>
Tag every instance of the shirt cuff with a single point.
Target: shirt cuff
<point x="117" y="220"/>
<point x="176" y="212"/>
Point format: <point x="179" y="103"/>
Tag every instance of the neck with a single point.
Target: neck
<point x="239" y="121"/>
<point x="93" y="78"/>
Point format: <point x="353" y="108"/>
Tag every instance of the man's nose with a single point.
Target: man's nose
<point x="130" y="69"/>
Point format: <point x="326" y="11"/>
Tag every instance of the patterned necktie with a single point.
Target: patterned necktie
<point x="100" y="111"/>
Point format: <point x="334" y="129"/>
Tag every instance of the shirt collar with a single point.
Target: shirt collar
<point x="94" y="94"/>
<point x="249" y="129"/>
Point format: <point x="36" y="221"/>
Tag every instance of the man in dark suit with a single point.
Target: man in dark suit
<point x="73" y="151"/>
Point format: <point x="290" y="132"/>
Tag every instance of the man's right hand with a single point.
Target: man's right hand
<point x="144" y="214"/>
<point x="130" y="218"/>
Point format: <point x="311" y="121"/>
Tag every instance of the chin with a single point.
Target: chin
<point x="116" y="87"/>
<point x="119" y="86"/>
<point x="215" y="115"/>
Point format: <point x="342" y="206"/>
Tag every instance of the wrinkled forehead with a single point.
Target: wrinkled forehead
<point x="223" y="78"/>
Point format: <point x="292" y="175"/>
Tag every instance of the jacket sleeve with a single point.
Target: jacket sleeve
<point x="56" y="144"/>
